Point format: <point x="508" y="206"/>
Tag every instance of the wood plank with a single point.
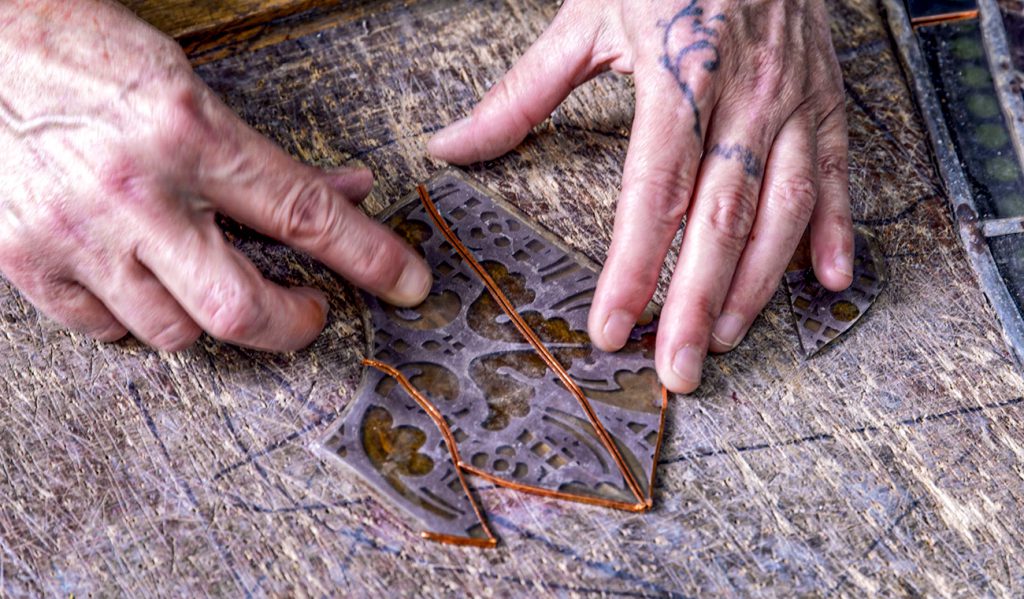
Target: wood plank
<point x="890" y="464"/>
<point x="192" y="20"/>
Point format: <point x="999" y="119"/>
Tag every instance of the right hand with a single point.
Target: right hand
<point x="114" y="159"/>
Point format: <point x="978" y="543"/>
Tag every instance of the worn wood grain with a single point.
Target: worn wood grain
<point x="190" y="18"/>
<point x="890" y="464"/>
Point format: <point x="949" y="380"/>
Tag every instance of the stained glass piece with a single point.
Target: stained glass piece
<point x="822" y="316"/>
<point x="513" y="419"/>
<point x="959" y="72"/>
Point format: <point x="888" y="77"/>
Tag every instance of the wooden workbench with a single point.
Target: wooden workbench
<point x="891" y="463"/>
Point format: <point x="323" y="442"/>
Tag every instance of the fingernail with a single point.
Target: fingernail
<point x="413" y="284"/>
<point x="687" y="364"/>
<point x="315" y="295"/>
<point x="444" y="136"/>
<point x="728" y="330"/>
<point x="843" y="265"/>
<point x="617" y="328"/>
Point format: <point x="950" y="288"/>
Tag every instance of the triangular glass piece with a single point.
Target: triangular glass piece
<point x="822" y="316"/>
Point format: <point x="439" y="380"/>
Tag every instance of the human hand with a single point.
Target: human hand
<point x="116" y="157"/>
<point x="739" y="126"/>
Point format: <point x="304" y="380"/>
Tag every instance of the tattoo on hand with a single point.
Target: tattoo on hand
<point x="751" y="163"/>
<point x="697" y="36"/>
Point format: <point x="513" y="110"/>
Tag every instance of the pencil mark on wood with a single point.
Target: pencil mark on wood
<point x="249" y="506"/>
<point x="859" y="430"/>
<point x="275" y="445"/>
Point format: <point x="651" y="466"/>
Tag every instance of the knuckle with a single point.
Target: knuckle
<point x="171" y="54"/>
<point x="24" y="272"/>
<point x="378" y="264"/>
<point x="832" y="166"/>
<point x="796" y="196"/>
<point x="840" y="225"/>
<point x="231" y="314"/>
<point x="702" y="86"/>
<point x="13" y="256"/>
<point x="123" y="177"/>
<point x="308" y="213"/>
<point x="667" y="192"/>
<point x="766" y="84"/>
<point x="703" y="312"/>
<point x="505" y="97"/>
<point x="731" y="217"/>
<point x="833" y="99"/>
<point x="184" y="123"/>
<point x="768" y="69"/>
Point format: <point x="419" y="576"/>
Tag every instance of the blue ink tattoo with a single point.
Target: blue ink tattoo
<point x="702" y="38"/>
<point x="751" y="163"/>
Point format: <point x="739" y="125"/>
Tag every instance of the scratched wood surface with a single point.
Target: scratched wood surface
<point x="892" y="463"/>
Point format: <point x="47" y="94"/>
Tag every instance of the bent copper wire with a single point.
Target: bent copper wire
<point x="453" y="449"/>
<point x="644" y="500"/>
<point x="641" y="506"/>
<point x="542" y="351"/>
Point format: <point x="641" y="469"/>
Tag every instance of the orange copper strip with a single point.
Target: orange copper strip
<point x="599" y="501"/>
<point x="464" y="541"/>
<point x="532" y="338"/>
<point x="643" y="506"/>
<point x="503" y="482"/>
<point x="449" y="440"/>
<point x="949" y="17"/>
<point x="460" y="465"/>
<point x="657" y="446"/>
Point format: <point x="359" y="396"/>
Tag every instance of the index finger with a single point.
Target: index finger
<point x="657" y="182"/>
<point x="253" y="181"/>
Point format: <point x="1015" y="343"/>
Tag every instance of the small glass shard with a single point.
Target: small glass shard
<point x="822" y="316"/>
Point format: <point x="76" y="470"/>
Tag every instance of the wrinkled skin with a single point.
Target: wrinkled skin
<point x="115" y="158"/>
<point x="739" y="127"/>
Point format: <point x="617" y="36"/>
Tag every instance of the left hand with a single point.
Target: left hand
<point x="739" y="126"/>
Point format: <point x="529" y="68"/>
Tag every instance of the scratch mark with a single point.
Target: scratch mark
<point x="222" y="549"/>
<point x="878" y="541"/>
<point x="251" y="457"/>
<point x="603" y="567"/>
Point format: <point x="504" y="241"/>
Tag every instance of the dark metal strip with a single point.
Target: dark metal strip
<point x="965" y="211"/>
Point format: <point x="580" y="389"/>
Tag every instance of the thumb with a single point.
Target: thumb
<point x="541" y="79"/>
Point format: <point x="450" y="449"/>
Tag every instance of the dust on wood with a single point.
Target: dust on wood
<point x="891" y="463"/>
